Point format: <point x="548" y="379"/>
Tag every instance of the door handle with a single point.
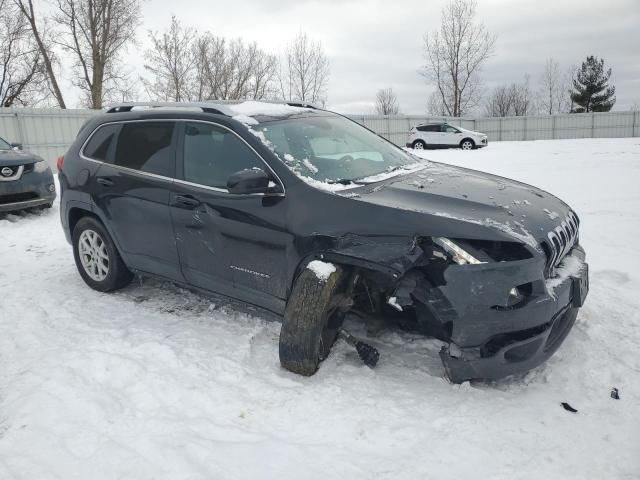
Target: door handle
<point x="187" y="201"/>
<point x="106" y="182"/>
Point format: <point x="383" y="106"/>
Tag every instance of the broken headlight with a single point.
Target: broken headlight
<point x="458" y="254"/>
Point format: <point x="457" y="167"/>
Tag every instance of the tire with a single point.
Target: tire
<point x="467" y="144"/>
<point x="311" y="323"/>
<point x="98" y="246"/>
<point x="419" y="145"/>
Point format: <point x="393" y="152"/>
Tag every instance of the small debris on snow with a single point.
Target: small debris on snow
<point x="323" y="270"/>
<point x="614" y="394"/>
<point x="393" y="301"/>
<point x="568" y="407"/>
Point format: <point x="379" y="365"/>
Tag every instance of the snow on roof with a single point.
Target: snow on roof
<point x="253" y="108"/>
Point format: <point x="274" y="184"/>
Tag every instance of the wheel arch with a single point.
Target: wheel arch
<point x="467" y="139"/>
<point x="77" y="212"/>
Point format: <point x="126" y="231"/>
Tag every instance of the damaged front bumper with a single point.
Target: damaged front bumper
<point x="487" y="341"/>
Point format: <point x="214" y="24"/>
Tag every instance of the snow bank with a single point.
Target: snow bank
<point x="323" y="270"/>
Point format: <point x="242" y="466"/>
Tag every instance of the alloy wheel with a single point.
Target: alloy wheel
<point x="467" y="145"/>
<point x="94" y="256"/>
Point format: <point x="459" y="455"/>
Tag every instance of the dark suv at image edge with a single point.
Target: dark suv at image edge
<point x="307" y="214"/>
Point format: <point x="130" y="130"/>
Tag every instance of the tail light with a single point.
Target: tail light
<point x="59" y="162"/>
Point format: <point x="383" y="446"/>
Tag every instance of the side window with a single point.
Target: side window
<point x="212" y="154"/>
<point x="429" y="128"/>
<point x="449" y="129"/>
<point x="147" y="146"/>
<point x="99" y="145"/>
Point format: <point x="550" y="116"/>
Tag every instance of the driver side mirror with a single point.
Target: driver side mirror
<point x="16" y="146"/>
<point x="251" y="180"/>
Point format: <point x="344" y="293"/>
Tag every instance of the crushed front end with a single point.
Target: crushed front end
<point x="503" y="308"/>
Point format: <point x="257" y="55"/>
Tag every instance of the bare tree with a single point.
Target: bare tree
<point x="435" y="105"/>
<point x="95" y="32"/>
<point x="522" y="98"/>
<point x="304" y="71"/>
<point x="42" y="38"/>
<point x="22" y="76"/>
<point x="387" y="102"/>
<point x="554" y="87"/>
<point x="185" y="65"/>
<point x="455" y="55"/>
<point x="500" y="102"/>
<point x="171" y="62"/>
<point x="510" y="100"/>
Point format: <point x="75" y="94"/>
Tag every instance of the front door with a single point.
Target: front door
<point x="235" y="244"/>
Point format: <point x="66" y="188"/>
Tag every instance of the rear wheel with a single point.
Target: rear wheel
<point x="467" y="144"/>
<point x="97" y="258"/>
<point x="419" y="145"/>
<point x="311" y="322"/>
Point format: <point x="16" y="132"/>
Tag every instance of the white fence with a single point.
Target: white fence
<point x="548" y="127"/>
<point x="49" y="132"/>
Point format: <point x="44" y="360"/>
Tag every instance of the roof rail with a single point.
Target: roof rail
<point x="127" y="107"/>
<point x="209" y="106"/>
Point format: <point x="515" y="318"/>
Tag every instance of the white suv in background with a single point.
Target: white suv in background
<point x="443" y="135"/>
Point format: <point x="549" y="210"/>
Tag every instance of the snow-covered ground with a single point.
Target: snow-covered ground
<point x="156" y="382"/>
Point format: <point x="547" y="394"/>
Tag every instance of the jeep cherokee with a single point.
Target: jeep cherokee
<point x="308" y="214"/>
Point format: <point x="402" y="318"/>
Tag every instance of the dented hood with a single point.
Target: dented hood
<point x="525" y="212"/>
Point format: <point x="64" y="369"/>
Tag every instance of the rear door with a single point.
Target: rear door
<point x="132" y="192"/>
<point x="235" y="244"/>
<point x="431" y="134"/>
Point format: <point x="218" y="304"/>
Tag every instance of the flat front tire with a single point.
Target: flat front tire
<point x="311" y="322"/>
<point x="97" y="257"/>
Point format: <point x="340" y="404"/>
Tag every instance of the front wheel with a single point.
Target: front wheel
<point x="97" y="258"/>
<point x="311" y="321"/>
<point x="467" y="144"/>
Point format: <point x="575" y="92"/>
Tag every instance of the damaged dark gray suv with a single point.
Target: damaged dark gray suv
<point x="308" y="214"/>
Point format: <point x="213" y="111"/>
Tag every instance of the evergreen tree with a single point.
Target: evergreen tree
<point x="591" y="92"/>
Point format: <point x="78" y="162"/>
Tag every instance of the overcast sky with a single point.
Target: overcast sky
<point x="373" y="44"/>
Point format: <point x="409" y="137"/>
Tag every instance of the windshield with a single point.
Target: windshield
<point x="4" y="145"/>
<point x="332" y="149"/>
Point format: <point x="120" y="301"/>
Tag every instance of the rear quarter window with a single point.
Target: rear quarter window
<point x="99" y="146"/>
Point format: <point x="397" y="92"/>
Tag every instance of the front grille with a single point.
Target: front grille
<point x="17" y="197"/>
<point x="559" y="242"/>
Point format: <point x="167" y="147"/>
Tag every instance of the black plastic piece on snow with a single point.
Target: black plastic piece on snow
<point x="368" y="354"/>
<point x="568" y="407"/>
